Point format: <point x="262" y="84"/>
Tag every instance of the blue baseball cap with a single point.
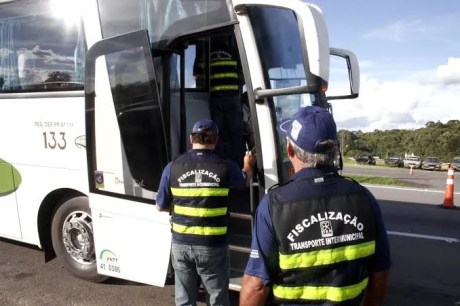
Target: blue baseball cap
<point x="308" y="127"/>
<point x="205" y="126"/>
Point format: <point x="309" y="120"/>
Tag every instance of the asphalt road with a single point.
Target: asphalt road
<point x="424" y="238"/>
<point x="26" y="280"/>
<point x="424" y="179"/>
<point x="425" y="246"/>
<point x="432" y="183"/>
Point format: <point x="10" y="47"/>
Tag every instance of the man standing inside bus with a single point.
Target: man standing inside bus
<point x="195" y="187"/>
<point x="320" y="238"/>
<point x="225" y="80"/>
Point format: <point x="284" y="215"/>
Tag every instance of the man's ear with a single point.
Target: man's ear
<point x="191" y="139"/>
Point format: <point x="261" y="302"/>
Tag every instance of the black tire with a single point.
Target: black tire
<point x="72" y="237"/>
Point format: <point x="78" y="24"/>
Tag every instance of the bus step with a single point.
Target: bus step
<point x="241" y="216"/>
<point x="235" y="280"/>
<point x="238" y="258"/>
<point x="237" y="248"/>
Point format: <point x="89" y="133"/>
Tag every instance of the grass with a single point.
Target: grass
<point x="374" y="180"/>
<point x="385" y="181"/>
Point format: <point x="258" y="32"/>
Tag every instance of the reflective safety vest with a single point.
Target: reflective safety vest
<point x="223" y="72"/>
<point x="200" y="200"/>
<point x="325" y="245"/>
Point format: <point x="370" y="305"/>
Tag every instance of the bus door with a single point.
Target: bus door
<point x="126" y="153"/>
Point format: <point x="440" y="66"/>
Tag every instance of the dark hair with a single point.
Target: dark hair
<point x="204" y="138"/>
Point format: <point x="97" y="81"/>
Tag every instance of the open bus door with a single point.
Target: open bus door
<point x="126" y="151"/>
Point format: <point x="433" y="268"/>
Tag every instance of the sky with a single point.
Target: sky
<point x="409" y="58"/>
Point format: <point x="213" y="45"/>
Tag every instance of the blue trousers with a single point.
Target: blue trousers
<point x="211" y="264"/>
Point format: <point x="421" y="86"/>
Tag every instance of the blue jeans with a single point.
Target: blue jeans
<point x="209" y="263"/>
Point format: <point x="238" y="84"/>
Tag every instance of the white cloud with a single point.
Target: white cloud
<point x="363" y="64"/>
<point x="5" y="52"/>
<point x="406" y="103"/>
<point x="450" y="73"/>
<point x="36" y="64"/>
<point x="436" y="28"/>
<point x="398" y="31"/>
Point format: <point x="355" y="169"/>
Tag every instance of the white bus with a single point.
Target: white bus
<point x="96" y="96"/>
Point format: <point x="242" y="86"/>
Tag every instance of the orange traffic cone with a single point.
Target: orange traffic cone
<point x="449" y="192"/>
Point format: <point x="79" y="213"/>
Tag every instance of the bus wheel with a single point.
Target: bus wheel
<point x="72" y="236"/>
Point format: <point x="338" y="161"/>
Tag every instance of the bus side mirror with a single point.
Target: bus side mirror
<point x="344" y="75"/>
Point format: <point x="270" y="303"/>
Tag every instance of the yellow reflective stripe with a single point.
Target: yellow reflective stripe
<point x="325" y="257"/>
<point x="199" y="230"/>
<point x="200" y="212"/>
<point x="224" y="63"/>
<point x="336" y="294"/>
<point x="224" y="75"/>
<point x="224" y="87"/>
<point x="199" y="192"/>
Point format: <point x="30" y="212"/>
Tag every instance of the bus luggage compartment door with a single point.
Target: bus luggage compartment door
<point x="132" y="240"/>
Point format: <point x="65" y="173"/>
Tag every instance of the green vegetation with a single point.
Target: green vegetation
<point x="374" y="180"/>
<point x="435" y="139"/>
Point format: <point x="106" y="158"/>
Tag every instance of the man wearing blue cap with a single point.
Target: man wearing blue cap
<point x="194" y="187"/>
<point x="320" y="238"/>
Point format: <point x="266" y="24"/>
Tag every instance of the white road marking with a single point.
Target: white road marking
<point x="446" y="239"/>
<point x="405" y="188"/>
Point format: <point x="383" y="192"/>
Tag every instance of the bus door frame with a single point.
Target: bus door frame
<point x="132" y="239"/>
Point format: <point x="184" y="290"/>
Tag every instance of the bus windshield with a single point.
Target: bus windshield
<point x="164" y="19"/>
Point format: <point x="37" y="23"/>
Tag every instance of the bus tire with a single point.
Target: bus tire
<point x="72" y="238"/>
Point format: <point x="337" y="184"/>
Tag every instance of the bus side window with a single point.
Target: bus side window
<point x="40" y="51"/>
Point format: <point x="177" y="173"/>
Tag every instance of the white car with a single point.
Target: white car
<point x="412" y="161"/>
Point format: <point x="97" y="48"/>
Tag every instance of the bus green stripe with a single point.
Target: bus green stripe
<point x="10" y="178"/>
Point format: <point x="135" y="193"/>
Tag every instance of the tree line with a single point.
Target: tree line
<point x="435" y="139"/>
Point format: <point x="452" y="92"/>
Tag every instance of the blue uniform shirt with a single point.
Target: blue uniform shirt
<point x="263" y="260"/>
<point x="237" y="177"/>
